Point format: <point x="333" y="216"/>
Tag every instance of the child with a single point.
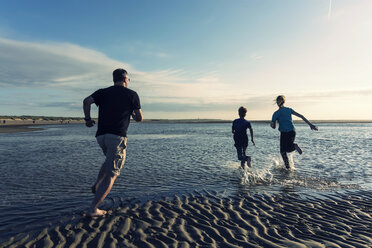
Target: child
<point x="239" y="129"/>
<point x="287" y="130"/>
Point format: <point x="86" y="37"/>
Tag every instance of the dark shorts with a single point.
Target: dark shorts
<point x="241" y="140"/>
<point x="287" y="141"/>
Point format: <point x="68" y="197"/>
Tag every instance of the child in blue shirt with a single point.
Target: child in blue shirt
<point x="287" y="130"/>
<point x="239" y="129"/>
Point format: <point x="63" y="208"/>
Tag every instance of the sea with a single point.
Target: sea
<point x="46" y="176"/>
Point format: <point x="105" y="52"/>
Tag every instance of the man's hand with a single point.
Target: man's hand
<point x="137" y="115"/>
<point x="90" y="123"/>
<point x="253" y="142"/>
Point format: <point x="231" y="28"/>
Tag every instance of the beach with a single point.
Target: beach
<point x="198" y="220"/>
<point x="182" y="186"/>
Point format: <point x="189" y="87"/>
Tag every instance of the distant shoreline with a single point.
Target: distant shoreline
<point x="22" y="124"/>
<point x="18" y="124"/>
<point x="253" y="121"/>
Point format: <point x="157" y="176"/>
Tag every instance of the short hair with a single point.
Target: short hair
<point x="280" y="100"/>
<point x="118" y="75"/>
<point x="242" y="111"/>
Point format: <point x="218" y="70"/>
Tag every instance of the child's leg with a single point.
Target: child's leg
<point x="298" y="149"/>
<point x="291" y="146"/>
<point x="239" y="152"/>
<point x="246" y="158"/>
<point x="244" y="149"/>
<point x="241" y="155"/>
<point x="284" y="141"/>
<point x="285" y="159"/>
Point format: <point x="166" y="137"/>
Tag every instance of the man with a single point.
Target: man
<point x="116" y="104"/>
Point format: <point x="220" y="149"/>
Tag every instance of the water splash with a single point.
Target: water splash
<point x="291" y="162"/>
<point x="255" y="176"/>
<point x="278" y="164"/>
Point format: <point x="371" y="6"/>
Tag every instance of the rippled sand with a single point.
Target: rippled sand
<point x="283" y="220"/>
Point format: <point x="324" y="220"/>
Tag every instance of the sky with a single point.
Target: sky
<point x="189" y="59"/>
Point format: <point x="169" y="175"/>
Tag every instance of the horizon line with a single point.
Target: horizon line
<point x="25" y="117"/>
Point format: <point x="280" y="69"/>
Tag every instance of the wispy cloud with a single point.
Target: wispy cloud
<point x="30" y="64"/>
<point x="256" y="57"/>
<point x="145" y="50"/>
<point x="53" y="78"/>
<point x="74" y="71"/>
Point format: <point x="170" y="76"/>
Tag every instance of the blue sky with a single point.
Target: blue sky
<point x="189" y="59"/>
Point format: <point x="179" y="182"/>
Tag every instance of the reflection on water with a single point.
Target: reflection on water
<point x="46" y="175"/>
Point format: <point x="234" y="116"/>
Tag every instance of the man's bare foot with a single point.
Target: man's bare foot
<point x="96" y="213"/>
<point x="298" y="149"/>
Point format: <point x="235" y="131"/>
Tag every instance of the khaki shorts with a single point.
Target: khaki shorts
<point x="114" y="148"/>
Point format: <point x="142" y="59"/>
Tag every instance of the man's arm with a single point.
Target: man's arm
<point x="137" y="115"/>
<point x="305" y="120"/>
<point x="86" y="107"/>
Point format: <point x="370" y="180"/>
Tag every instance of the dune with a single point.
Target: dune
<point x="282" y="220"/>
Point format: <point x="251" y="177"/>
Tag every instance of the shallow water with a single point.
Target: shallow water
<point x="45" y="176"/>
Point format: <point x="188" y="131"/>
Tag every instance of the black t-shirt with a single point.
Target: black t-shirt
<point x="115" y="106"/>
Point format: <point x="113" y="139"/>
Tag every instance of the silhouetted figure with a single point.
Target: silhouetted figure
<point x="287" y="130"/>
<point x="116" y="104"/>
<point x="239" y="129"/>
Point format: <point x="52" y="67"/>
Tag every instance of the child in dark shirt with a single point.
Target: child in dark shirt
<point x="239" y="129"/>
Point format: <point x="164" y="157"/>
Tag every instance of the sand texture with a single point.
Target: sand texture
<point x="210" y="221"/>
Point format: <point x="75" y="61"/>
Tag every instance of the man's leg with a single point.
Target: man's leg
<point x="102" y="191"/>
<point x="100" y="177"/>
<point x="115" y="157"/>
<point x="101" y="174"/>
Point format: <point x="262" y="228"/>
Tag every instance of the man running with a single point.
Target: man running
<point x="116" y="104"/>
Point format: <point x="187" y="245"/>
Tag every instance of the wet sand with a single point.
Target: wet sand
<point x="283" y="220"/>
<point x="18" y="129"/>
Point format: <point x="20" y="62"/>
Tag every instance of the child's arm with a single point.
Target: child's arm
<point x="273" y="124"/>
<point x="251" y="131"/>
<point x="273" y="121"/>
<point x="313" y="127"/>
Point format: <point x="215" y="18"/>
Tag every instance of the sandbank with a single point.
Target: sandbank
<point x="282" y="220"/>
<point x="15" y="125"/>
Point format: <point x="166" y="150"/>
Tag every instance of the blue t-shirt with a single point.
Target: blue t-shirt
<point x="240" y="126"/>
<point x="284" y="116"/>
